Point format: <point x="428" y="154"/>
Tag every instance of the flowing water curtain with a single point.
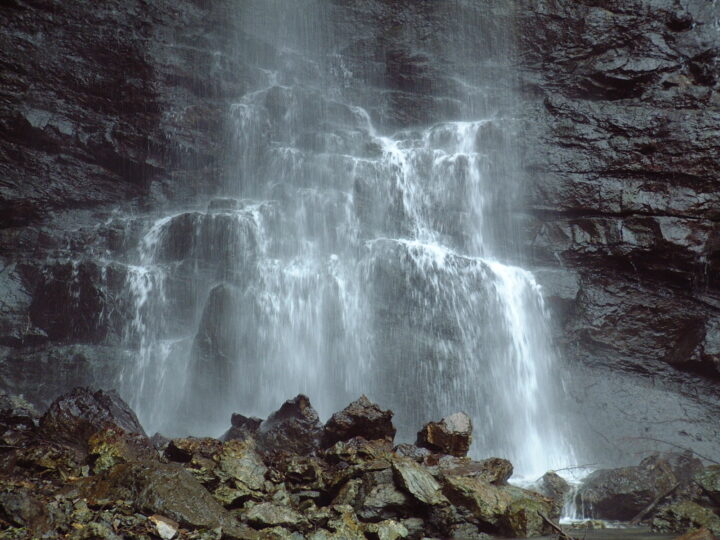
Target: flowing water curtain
<point x="358" y="242"/>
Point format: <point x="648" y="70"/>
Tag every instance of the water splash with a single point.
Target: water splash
<point x="347" y="259"/>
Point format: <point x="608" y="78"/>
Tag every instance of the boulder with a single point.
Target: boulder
<point x="493" y="470"/>
<point x="417" y="481"/>
<point x="74" y="417"/>
<point x="183" y="450"/>
<point x="167" y="490"/>
<point x="555" y="488"/>
<point x="621" y="494"/>
<point x="685" y="515"/>
<point x="241" y="427"/>
<point x="506" y="510"/>
<point x="361" y="418"/>
<point x="452" y="435"/>
<point x="294" y="428"/>
<point x="18" y="419"/>
<point x="112" y="446"/>
<point x="709" y="482"/>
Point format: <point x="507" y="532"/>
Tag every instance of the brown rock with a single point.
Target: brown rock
<point x="452" y="435"/>
<point x="361" y="418"/>
<point x="294" y="428"/>
<point x="73" y="417"/>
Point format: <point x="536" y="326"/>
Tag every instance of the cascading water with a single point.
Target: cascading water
<point x="350" y="254"/>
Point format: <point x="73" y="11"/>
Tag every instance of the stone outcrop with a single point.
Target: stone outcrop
<point x="277" y="482"/>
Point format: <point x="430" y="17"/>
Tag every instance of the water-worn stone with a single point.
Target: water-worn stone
<point x="294" y="428"/>
<point x="361" y="418"/>
<point x="74" y="417"/>
<point x="685" y="515"/>
<point x="487" y="503"/>
<point x="622" y="493"/>
<point x="452" y="435"/>
<point x="555" y="488"/>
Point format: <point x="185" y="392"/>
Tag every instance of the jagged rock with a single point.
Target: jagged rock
<point x="524" y="514"/>
<point x="167" y="490"/>
<point x="270" y="515"/>
<point x="621" y="494"/>
<point x="387" y="530"/>
<point x="359" y="419"/>
<point x="112" y="446"/>
<point x="239" y="462"/>
<point x="241" y="427"/>
<point x="183" y="450"/>
<point x="294" y="428"/>
<point x="411" y="451"/>
<point x="16" y="413"/>
<point x="279" y="533"/>
<point x="166" y="528"/>
<point x="709" y="482"/>
<point x="344" y="525"/>
<point x="452" y="435"/>
<point x="417" y="481"/>
<point x="685" y="515"/>
<point x="555" y="488"/>
<point x="18" y="419"/>
<point x="20" y="507"/>
<point x="357" y="450"/>
<point x="493" y="470"/>
<point x="74" y="417"/>
<point x="377" y="498"/>
<point x="507" y="510"/>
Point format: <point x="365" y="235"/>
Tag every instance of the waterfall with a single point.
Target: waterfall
<point x="353" y="249"/>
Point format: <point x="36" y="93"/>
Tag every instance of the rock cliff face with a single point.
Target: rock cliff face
<point x="115" y="109"/>
<point x="104" y="111"/>
<point x="622" y="156"/>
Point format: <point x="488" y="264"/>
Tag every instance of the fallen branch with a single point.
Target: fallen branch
<point x="587" y="465"/>
<point x="637" y="519"/>
<point x="562" y="535"/>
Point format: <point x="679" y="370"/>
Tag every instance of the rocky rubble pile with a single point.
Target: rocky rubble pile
<point x="85" y="469"/>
